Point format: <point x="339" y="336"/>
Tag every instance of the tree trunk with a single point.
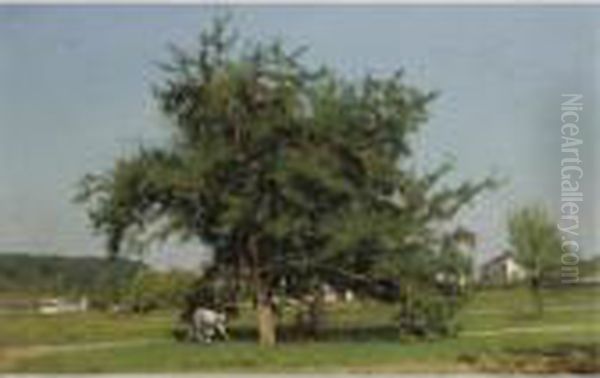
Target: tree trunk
<point x="266" y="317"/>
<point x="316" y="314"/>
<point x="266" y="321"/>
<point x="536" y="289"/>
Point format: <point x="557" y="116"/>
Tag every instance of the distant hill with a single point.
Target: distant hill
<point x="28" y="273"/>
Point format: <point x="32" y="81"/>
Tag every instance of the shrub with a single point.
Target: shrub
<point x="427" y="317"/>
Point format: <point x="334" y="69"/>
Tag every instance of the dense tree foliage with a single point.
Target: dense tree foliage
<point x="294" y="176"/>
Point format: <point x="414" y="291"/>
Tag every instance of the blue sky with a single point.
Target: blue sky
<point x="75" y="94"/>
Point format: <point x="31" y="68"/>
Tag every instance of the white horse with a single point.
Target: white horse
<point x="208" y="324"/>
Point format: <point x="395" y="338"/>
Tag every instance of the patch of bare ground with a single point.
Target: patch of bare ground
<point x="563" y="358"/>
<point x="9" y="356"/>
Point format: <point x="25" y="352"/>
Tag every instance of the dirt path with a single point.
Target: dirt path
<point x="10" y="355"/>
<point x="555" y="308"/>
<point x="525" y="330"/>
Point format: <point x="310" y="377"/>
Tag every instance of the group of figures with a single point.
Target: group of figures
<point x="202" y="325"/>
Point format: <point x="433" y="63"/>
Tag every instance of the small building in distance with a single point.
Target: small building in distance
<point x="60" y="306"/>
<point x="502" y="270"/>
<point x="331" y="295"/>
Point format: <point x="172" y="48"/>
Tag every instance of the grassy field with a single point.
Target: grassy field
<point x="499" y="333"/>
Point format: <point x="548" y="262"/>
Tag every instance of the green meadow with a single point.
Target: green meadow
<point x="499" y="331"/>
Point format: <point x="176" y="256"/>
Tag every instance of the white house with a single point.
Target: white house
<point x="502" y="270"/>
<point x="331" y="295"/>
<point x="60" y="305"/>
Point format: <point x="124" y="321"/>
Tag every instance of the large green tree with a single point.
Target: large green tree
<point x="293" y="176"/>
